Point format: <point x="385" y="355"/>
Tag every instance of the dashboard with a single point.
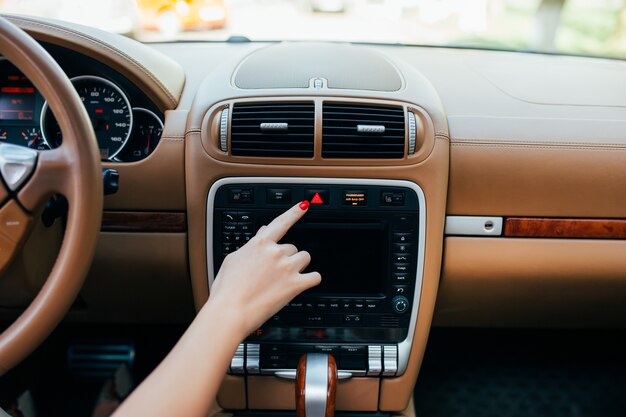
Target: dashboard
<point x="128" y="128"/>
<point x="517" y="162"/>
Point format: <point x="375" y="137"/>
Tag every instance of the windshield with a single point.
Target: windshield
<point x="579" y="27"/>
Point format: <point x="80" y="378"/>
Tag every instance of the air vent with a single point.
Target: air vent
<point x="362" y="131"/>
<point x="273" y="129"/>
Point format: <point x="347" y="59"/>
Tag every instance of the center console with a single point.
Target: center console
<point x="366" y="238"/>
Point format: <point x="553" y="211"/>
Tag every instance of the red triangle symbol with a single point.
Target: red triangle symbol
<point x="317" y="199"/>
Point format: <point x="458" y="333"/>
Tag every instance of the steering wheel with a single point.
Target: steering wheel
<point x="31" y="178"/>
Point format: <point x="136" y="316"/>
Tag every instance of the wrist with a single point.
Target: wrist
<point x="230" y="317"/>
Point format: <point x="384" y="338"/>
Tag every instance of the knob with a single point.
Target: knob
<point x="400" y="304"/>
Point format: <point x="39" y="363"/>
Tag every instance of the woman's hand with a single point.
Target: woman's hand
<point x="262" y="277"/>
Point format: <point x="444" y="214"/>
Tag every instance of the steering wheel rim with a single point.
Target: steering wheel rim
<point x="73" y="170"/>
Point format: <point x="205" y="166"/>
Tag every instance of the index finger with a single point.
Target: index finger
<point x="281" y="224"/>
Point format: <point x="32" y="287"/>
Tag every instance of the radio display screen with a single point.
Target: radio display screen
<point x="351" y="258"/>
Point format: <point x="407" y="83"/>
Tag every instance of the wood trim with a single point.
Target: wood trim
<point x="565" y="228"/>
<point x="140" y="221"/>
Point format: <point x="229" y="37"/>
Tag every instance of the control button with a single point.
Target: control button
<point x="229" y="216"/>
<point x="241" y="195"/>
<point x="401" y="257"/>
<point x="309" y="305"/>
<point x="354" y="198"/>
<point x="402" y="237"/>
<point x="390" y="360"/>
<point x="359" y="305"/>
<point x="245" y="227"/>
<point x="392" y="198"/>
<point x="352" y="318"/>
<point x="297" y="305"/>
<point x="334" y="305"/>
<point x="279" y="196"/>
<point x="229" y="227"/>
<point x="237" y="247"/>
<point x="346" y="305"/>
<point x="227" y="248"/>
<point x="354" y="362"/>
<point x="321" y="305"/>
<point x="273" y="349"/>
<point x="247" y="237"/>
<point x="374" y="360"/>
<point x="314" y="319"/>
<point x="237" y="237"/>
<point x="400" y="304"/>
<point x="244" y="216"/>
<point x="400" y="289"/>
<point x="227" y="237"/>
<point x="253" y="353"/>
<point x="330" y="349"/>
<point x="371" y="305"/>
<point x="237" y="362"/>
<point x="404" y="222"/>
<point x="353" y="358"/>
<point x="353" y="350"/>
<point x="401" y="247"/>
<point x="318" y="197"/>
<point x="401" y="268"/>
<point x="401" y="279"/>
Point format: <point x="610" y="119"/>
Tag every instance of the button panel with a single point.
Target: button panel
<point x="237" y="229"/>
<point x="321" y="319"/>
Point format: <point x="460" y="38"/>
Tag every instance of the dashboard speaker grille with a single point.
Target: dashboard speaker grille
<point x="362" y="131"/>
<point x="273" y="129"/>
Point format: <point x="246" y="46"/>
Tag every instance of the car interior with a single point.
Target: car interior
<point x="468" y="218"/>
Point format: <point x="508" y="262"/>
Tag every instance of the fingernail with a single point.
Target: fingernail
<point x="304" y="205"/>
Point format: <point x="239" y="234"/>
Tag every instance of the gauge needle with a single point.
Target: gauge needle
<point x="148" y="145"/>
<point x="33" y="140"/>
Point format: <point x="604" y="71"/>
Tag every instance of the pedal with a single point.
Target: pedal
<point x="99" y="360"/>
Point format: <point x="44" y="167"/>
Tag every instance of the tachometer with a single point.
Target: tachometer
<point x="108" y="108"/>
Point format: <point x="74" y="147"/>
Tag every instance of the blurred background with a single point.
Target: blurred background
<point x="581" y="27"/>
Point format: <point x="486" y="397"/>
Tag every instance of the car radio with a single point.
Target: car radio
<point x="366" y="239"/>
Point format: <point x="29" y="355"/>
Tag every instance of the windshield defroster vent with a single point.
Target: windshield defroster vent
<point x="362" y="131"/>
<point x="273" y="129"/>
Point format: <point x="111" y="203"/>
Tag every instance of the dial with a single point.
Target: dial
<point x="33" y="138"/>
<point x="109" y="111"/>
<point x="146" y="133"/>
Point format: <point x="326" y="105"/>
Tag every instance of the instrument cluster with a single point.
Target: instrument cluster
<point x="125" y="133"/>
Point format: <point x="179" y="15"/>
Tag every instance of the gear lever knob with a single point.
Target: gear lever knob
<point x="316" y="385"/>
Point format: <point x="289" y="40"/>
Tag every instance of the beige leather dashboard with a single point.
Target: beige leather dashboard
<point x="506" y="135"/>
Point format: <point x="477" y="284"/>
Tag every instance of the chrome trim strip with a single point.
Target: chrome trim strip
<point x="473" y="226"/>
<point x="404" y="347"/>
<point x="224" y="130"/>
<point x="390" y="360"/>
<point x="374" y="360"/>
<point x="380" y="129"/>
<point x="412" y="133"/>
<point x="273" y="127"/>
<point x="237" y="363"/>
<point x="253" y="358"/>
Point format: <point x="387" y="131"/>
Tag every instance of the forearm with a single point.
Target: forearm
<point x="187" y="380"/>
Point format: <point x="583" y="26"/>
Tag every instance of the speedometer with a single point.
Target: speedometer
<point x="108" y="108"/>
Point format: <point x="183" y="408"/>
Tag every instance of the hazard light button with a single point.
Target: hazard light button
<point x="319" y="197"/>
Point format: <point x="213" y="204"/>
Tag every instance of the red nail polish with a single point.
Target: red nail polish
<point x="304" y="205"/>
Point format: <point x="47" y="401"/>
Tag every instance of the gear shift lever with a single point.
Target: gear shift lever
<point x="316" y="385"/>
